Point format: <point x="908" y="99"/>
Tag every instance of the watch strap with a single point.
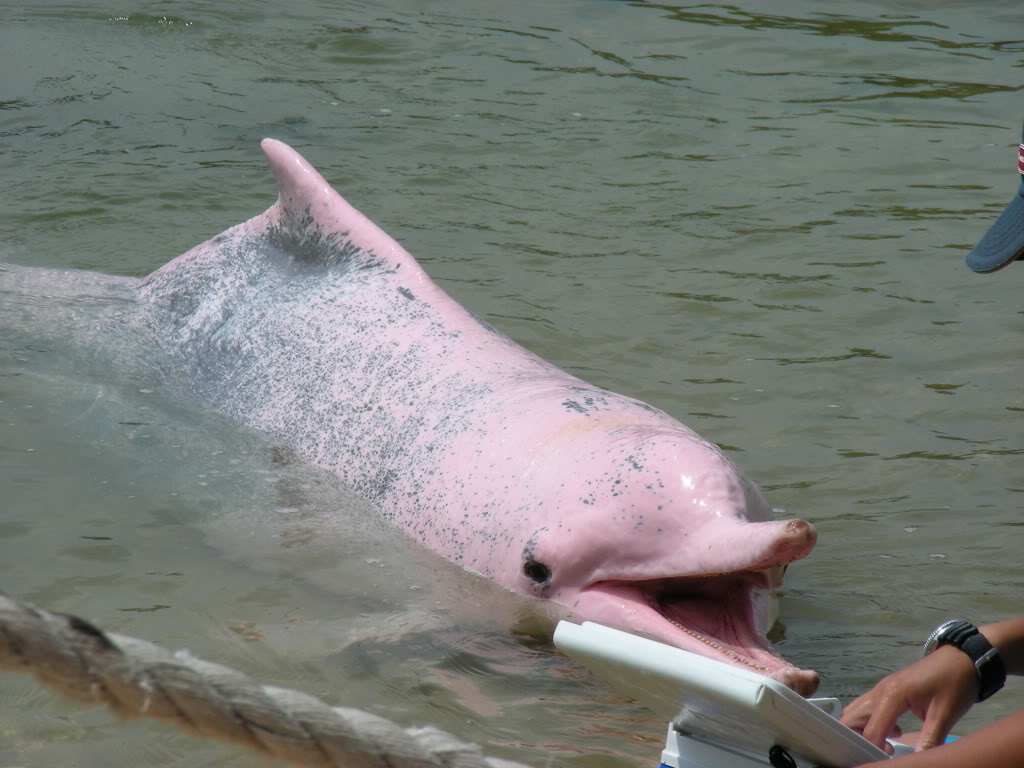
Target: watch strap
<point x="988" y="664"/>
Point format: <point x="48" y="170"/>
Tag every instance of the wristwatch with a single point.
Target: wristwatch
<point x="987" y="662"/>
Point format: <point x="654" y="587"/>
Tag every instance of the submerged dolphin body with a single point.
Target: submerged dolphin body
<point x="311" y="324"/>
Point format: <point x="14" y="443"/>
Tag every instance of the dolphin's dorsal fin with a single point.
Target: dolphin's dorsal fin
<point x="307" y="204"/>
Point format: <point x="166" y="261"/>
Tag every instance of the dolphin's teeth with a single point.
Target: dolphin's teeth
<point x="731" y="654"/>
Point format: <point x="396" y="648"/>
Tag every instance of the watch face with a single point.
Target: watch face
<point x="942" y="632"/>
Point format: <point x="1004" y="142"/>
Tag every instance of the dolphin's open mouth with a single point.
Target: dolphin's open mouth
<point x="716" y="610"/>
<point x="722" y="616"/>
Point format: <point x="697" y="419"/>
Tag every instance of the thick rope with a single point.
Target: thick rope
<point x="135" y="678"/>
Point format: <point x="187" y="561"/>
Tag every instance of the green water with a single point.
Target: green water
<point x="753" y="216"/>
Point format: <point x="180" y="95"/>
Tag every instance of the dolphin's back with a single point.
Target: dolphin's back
<point x="310" y="235"/>
<point x="312" y="324"/>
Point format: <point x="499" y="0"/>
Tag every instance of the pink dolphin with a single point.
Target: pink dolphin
<point x="310" y="323"/>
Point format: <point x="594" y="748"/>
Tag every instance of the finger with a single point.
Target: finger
<point x="853" y="720"/>
<point x="883" y="720"/>
<point x="857" y="712"/>
<point x="887" y="746"/>
<point x="937" y="724"/>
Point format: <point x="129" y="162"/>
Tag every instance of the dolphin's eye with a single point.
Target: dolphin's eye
<point x="537" y="572"/>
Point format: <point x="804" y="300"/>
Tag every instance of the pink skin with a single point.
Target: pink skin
<point x="310" y="323"/>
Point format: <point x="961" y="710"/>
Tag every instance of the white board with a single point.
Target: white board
<point x="712" y="701"/>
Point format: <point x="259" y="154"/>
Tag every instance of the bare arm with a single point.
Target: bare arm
<point x="938" y="689"/>
<point x="1008" y="637"/>
<point x="1000" y="745"/>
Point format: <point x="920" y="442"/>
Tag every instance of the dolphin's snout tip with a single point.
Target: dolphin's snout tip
<point x="800" y="538"/>
<point x="801" y="530"/>
<point x="803" y="681"/>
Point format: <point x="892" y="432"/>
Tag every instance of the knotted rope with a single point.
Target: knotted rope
<point x="135" y="678"/>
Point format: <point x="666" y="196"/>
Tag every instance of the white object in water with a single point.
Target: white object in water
<point x="720" y="716"/>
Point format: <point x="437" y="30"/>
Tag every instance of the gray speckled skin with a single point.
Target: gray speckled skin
<point x="312" y="325"/>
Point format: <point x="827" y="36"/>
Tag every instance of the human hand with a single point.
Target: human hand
<point x="938" y="689"/>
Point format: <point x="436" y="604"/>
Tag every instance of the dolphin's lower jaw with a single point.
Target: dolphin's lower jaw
<point x="721" y="616"/>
